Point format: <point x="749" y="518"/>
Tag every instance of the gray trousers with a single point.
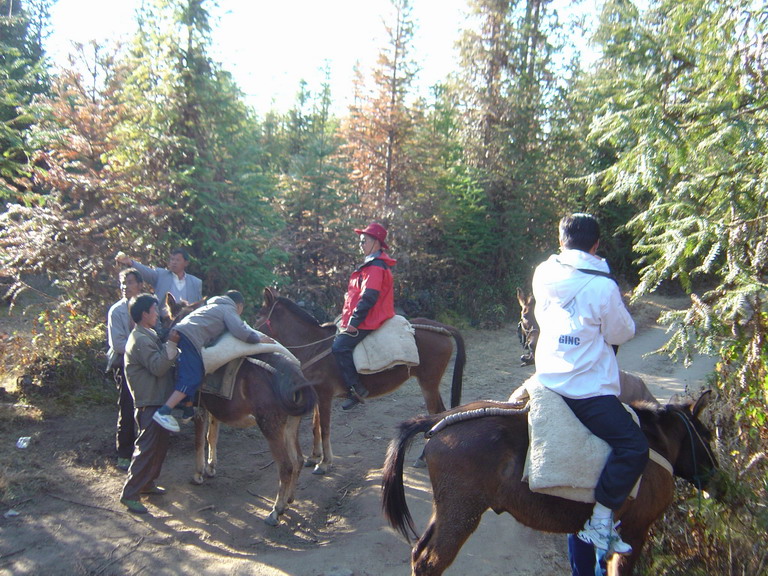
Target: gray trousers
<point x="148" y="453"/>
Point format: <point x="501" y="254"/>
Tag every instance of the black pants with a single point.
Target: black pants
<point x="149" y="454"/>
<point x="126" y="426"/>
<point x="343" y="347"/>
<point x="606" y="418"/>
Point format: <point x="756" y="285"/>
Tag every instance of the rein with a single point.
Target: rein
<point x="692" y="432"/>
<point x="268" y="323"/>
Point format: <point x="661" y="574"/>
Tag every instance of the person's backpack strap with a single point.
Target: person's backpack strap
<point x="598" y="273"/>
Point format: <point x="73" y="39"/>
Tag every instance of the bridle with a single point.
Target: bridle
<point x="698" y="479"/>
<point x="304" y="365"/>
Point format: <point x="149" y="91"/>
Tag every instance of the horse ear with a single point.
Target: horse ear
<point x="520" y="296"/>
<point x="170" y="301"/>
<point x="702" y="402"/>
<point x="269" y="295"/>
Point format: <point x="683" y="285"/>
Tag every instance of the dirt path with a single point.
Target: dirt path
<point x="72" y="523"/>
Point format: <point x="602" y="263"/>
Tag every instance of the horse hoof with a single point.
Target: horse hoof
<point x="319" y="470"/>
<point x="273" y="519"/>
<point x="309" y="463"/>
<point x="419" y="463"/>
<point x="197" y="479"/>
<point x="210" y="472"/>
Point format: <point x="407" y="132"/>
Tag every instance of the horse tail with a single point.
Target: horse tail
<point x="392" y="489"/>
<point x="458" y="368"/>
<point x="293" y="391"/>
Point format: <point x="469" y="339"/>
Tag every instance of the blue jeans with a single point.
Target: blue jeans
<point x="606" y="418"/>
<point x="582" y="556"/>
<point x="189" y="370"/>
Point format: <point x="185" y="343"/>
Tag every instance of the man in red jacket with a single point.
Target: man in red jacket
<point x="368" y="303"/>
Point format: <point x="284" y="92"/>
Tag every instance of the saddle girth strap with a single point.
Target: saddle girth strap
<point x="660" y="460"/>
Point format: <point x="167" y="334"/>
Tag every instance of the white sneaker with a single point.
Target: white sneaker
<point x="618" y="546"/>
<point x="166" y="421"/>
<point x="603" y="535"/>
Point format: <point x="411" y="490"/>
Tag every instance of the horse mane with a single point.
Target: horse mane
<point x="298" y="311"/>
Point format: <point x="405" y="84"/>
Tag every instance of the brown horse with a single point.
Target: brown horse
<point x="310" y="341"/>
<point x="477" y="463"/>
<point x="271" y="393"/>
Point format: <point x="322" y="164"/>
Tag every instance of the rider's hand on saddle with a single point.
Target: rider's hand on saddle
<point x="351" y="330"/>
<point x="174" y="337"/>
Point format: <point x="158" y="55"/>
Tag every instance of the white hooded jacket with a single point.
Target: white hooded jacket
<point x="581" y="316"/>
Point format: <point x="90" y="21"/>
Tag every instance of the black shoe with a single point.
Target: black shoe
<point x="355" y="397"/>
<point x="350" y="402"/>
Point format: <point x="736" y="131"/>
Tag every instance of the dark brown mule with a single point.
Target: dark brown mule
<point x="272" y="394"/>
<point x="477" y="464"/>
<point x="310" y="341"/>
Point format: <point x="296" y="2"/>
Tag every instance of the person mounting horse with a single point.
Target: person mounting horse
<point x="202" y="326"/>
<point x="581" y="316"/>
<point x="368" y="303"/>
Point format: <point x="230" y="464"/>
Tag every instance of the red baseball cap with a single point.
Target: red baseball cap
<point x="377" y="231"/>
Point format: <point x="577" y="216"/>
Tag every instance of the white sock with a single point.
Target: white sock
<point x="601" y="513"/>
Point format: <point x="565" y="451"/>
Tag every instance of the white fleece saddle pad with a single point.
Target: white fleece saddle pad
<point x="227" y="348"/>
<point x="393" y="344"/>
<point x="564" y="458"/>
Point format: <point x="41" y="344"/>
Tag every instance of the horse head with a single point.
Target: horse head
<point x="178" y="309"/>
<point x="678" y="425"/>
<point x="527" y="328"/>
<point x="279" y="317"/>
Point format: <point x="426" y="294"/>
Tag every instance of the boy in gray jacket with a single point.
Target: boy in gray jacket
<point x="148" y="365"/>
<point x="192" y="333"/>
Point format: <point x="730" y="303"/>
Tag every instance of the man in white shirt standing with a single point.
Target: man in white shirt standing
<point x="173" y="279"/>
<point x="582" y="318"/>
<point x="119" y="326"/>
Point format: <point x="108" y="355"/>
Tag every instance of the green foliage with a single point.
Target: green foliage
<point x="683" y="117"/>
<point x="63" y="365"/>
<point x="22" y="77"/>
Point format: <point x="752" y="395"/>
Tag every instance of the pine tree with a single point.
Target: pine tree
<point x="194" y="144"/>
<point x="22" y="76"/>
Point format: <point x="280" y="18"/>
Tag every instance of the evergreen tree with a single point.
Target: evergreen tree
<point x="507" y="87"/>
<point x="23" y="26"/>
<point x="380" y="123"/>
<point x="314" y="189"/>
<point x="85" y="213"/>
<point x="193" y="143"/>
<point x="684" y="113"/>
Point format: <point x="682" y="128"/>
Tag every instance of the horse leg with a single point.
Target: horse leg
<point x="324" y="417"/>
<point x="317" y="451"/>
<point x="280" y="453"/>
<point x="430" y="389"/>
<point x="293" y="447"/>
<point x="201" y="431"/>
<point x="450" y="526"/>
<point x="213" y="443"/>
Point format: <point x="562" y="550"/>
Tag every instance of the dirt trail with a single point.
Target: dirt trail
<point x="75" y="524"/>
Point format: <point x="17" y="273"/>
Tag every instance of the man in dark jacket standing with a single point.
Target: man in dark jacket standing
<point x="148" y="365"/>
<point x="368" y="303"/>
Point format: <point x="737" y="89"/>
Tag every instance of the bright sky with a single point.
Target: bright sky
<point x="270" y="45"/>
